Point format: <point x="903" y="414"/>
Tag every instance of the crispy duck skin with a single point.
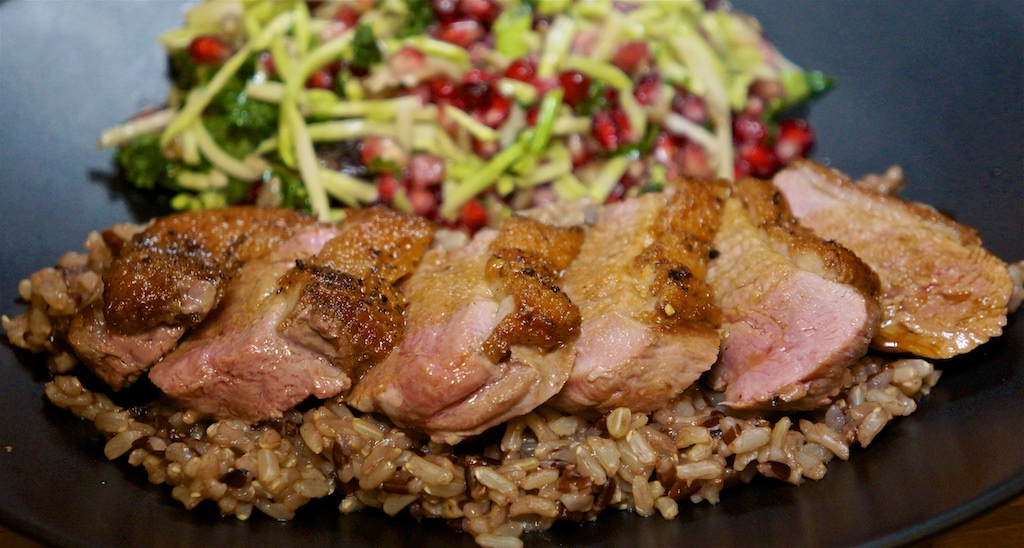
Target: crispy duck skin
<point x="349" y="307"/>
<point x="942" y="293"/>
<point x="173" y="272"/>
<point x="798" y="310"/>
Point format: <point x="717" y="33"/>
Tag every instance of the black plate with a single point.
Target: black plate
<point x="937" y="87"/>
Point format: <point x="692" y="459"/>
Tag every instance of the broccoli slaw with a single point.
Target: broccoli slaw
<point x="460" y="110"/>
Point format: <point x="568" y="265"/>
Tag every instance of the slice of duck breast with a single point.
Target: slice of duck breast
<point x="304" y="320"/>
<point x="943" y="294"/>
<point x="165" y="280"/>
<point x="488" y="333"/>
<point x="349" y="308"/>
<point x="798" y="310"/>
<point x="237" y="364"/>
<point x="649" y="326"/>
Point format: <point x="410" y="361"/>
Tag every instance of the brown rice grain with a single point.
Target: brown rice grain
<point x="539" y="479"/>
<point x="643" y="499"/>
<point x="707" y="469"/>
<point x="533" y="505"/>
<point x="488" y="540"/>
<point x="667" y="507"/>
<point x="618" y="422"/>
<point x="493" y="480"/>
<point x="751" y="439"/>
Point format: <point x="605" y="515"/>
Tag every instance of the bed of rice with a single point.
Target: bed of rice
<point x="518" y="477"/>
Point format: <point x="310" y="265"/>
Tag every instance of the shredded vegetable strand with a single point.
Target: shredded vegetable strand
<point x="216" y="155"/>
<point x="476" y="183"/>
<point x="306" y="157"/>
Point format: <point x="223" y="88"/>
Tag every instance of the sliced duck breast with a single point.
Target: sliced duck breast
<point x="173" y="272"/>
<point x="165" y="280"/>
<point x="488" y="334"/>
<point x="349" y="308"/>
<point x="943" y="294"/>
<point x="649" y="325"/>
<point x="304" y="320"/>
<point x="237" y="364"/>
<point x="798" y="311"/>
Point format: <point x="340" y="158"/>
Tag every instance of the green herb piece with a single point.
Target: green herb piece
<point x="364" y="47"/>
<point x="596" y="100"/>
<point x="420" y="16"/>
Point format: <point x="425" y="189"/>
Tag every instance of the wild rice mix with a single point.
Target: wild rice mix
<point x="532" y="471"/>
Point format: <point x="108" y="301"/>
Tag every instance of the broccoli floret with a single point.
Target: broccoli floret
<point x="364" y="47"/>
<point x="420" y="16"/>
<point x="144" y="164"/>
<point x="238" y="122"/>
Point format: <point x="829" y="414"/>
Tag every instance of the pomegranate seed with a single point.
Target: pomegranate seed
<point x="616" y="195"/>
<point x="758" y="160"/>
<point x="359" y="72"/>
<point x="481" y="11"/>
<point x="625" y="129"/>
<point x="544" y="85"/>
<point x="209" y="50"/>
<point x="531" y="115"/>
<point x="795" y="140"/>
<point x="321" y="79"/>
<point x="692" y="160"/>
<point x="631" y="56"/>
<point x="631" y="178"/>
<point x="664" y="148"/>
<point x="423" y="201"/>
<point x="378" y="152"/>
<point x="426" y="170"/>
<point x="485" y="149"/>
<point x="754" y="107"/>
<point x="583" y="42"/>
<point x="648" y="89"/>
<point x="346" y="15"/>
<point x="740" y="169"/>
<point x="746" y="129"/>
<point x="387" y="185"/>
<point x="497" y="112"/>
<point x="422" y="93"/>
<point x="407" y="60"/>
<point x="442" y="88"/>
<point x="474" y="215"/>
<point x="266" y="63"/>
<point x="474" y="95"/>
<point x="576" y="86"/>
<point x="578" y="149"/>
<point x="523" y="69"/>
<point x="604" y="130"/>
<point x="462" y="32"/>
<point x="479" y="76"/>
<point x="690" y="106"/>
<point x="445" y="9"/>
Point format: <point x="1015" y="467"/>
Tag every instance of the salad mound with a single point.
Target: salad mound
<point x="461" y="110"/>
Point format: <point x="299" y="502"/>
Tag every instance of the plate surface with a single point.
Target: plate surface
<point x="936" y="86"/>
